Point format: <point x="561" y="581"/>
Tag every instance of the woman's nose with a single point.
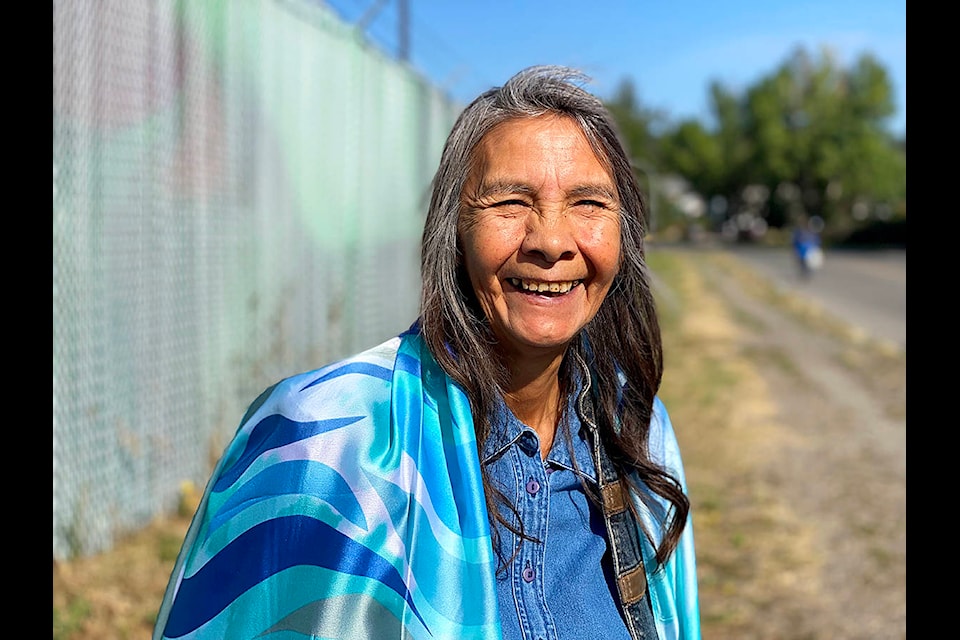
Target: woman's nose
<point x="549" y="237"/>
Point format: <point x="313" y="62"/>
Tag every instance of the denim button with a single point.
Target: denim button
<point x="533" y="486"/>
<point x="528" y="443"/>
<point x="528" y="575"/>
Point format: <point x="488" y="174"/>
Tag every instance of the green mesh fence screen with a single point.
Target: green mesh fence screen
<point x="238" y="194"/>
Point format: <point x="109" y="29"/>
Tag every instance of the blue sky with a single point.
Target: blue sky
<point x="671" y="50"/>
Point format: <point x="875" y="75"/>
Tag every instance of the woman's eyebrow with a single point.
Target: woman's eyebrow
<point x="498" y="188"/>
<point x="501" y="187"/>
<point x="593" y="191"/>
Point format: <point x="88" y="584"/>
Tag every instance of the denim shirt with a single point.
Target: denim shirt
<point x="566" y="584"/>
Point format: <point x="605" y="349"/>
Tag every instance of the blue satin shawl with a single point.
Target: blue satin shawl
<point x="348" y="505"/>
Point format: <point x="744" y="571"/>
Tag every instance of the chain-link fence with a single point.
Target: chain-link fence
<point x="238" y="194"/>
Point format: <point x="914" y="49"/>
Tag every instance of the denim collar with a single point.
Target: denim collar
<point x="507" y="430"/>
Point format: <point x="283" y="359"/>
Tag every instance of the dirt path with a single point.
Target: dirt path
<point x="808" y="464"/>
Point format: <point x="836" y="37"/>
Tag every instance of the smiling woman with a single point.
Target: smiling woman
<point x="504" y="468"/>
<point x="540" y="239"/>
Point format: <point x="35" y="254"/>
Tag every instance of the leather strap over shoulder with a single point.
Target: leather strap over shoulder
<point x="633" y="585"/>
<point x="614" y="498"/>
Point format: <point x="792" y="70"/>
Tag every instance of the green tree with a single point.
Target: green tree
<point x="714" y="162"/>
<point x="697" y="154"/>
<point x="809" y="137"/>
<point x="639" y="128"/>
<point x="820" y="128"/>
<point x="638" y="125"/>
<point x="810" y="133"/>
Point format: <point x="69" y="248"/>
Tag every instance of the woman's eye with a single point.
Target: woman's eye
<point x="590" y="205"/>
<point x="510" y="203"/>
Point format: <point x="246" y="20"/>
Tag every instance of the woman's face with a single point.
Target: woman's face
<point x="540" y="232"/>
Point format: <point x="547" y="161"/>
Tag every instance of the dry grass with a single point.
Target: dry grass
<point x="115" y="595"/>
<point x="751" y="549"/>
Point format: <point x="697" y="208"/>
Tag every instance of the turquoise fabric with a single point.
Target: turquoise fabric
<point x="348" y="505"/>
<point x="673" y="588"/>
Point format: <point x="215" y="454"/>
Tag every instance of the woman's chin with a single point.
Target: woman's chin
<point x="540" y="343"/>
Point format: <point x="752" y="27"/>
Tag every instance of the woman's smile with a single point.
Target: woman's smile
<point x="539" y="286"/>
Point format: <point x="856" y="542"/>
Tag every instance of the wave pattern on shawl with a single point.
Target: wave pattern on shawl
<point x="348" y="505"/>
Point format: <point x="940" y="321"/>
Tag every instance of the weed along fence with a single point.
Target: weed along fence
<point x="238" y="194"/>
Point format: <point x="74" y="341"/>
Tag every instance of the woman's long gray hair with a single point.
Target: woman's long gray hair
<point x="623" y="338"/>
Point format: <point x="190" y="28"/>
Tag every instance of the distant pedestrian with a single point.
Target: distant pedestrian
<point x="806" y="245"/>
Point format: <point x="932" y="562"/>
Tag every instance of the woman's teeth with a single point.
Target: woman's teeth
<point x="543" y="287"/>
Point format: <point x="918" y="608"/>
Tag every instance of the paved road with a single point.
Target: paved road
<point x="865" y="288"/>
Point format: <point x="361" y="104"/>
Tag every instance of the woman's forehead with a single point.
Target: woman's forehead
<point x="518" y="154"/>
